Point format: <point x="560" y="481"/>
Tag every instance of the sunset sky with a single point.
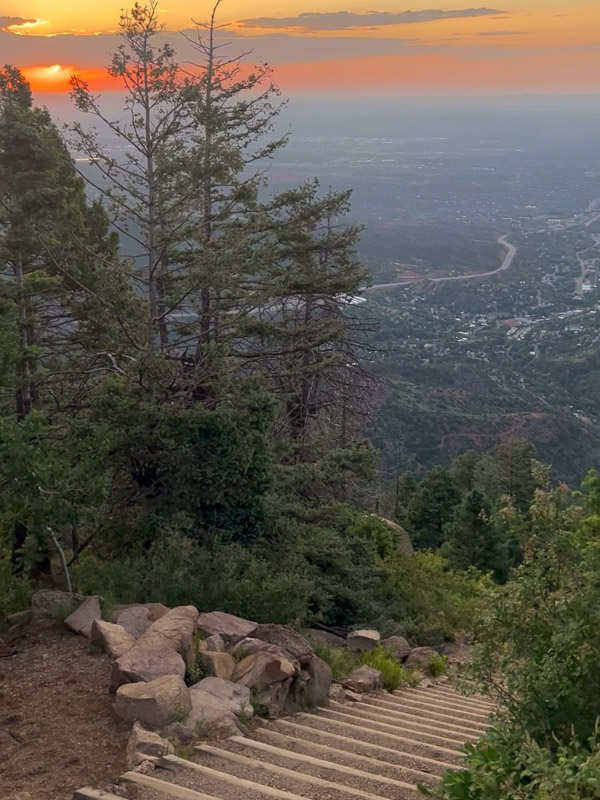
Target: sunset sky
<point x="338" y="45"/>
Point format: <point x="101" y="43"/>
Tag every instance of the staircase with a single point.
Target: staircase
<point x="377" y="749"/>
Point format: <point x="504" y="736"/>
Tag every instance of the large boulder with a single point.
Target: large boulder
<point x="135" y="620"/>
<point x="286" y="639"/>
<point x="155" y="704"/>
<point x="214" y="644"/>
<point x="217" y="706"/>
<point x="113" y="639"/>
<point x="319" y="684"/>
<point x="144" y="745"/>
<point x="262" y="669"/>
<point x="250" y="646"/>
<point x="315" y="636"/>
<point x="221" y="665"/>
<point x="49" y="602"/>
<point x="364" y="679"/>
<point x="397" y="646"/>
<point x="81" y="620"/>
<point x="157" y="610"/>
<point x="420" y="658"/>
<point x="146" y="663"/>
<point x="175" y="630"/>
<point x="274" y="697"/>
<point x="363" y="640"/>
<point x="230" y="628"/>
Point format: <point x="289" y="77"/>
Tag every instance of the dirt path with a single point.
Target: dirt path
<point x="57" y="728"/>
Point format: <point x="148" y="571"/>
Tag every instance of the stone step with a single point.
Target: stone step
<point x="479" y="718"/>
<point x="349" y="776"/>
<point x="344" y="757"/>
<point x="447" y="725"/>
<point x="379" y="723"/>
<point x="264" y="774"/>
<point x="394" y="756"/>
<point x="353" y="728"/>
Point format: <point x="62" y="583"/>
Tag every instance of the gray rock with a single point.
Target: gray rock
<point x="274" y="698"/>
<point x="286" y="639"/>
<point x="420" y="658"/>
<point x="143" y="745"/>
<point x="363" y="679"/>
<point x="228" y="626"/>
<point x="48" y="602"/>
<point x="80" y="621"/>
<point x="319" y="684"/>
<point x="135" y="620"/>
<point x="363" y="640"/>
<point x="155" y="704"/>
<point x="397" y="646"/>
<point x="315" y="636"/>
<point x="217" y="706"/>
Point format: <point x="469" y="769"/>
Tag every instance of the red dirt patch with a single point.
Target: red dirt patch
<point x="58" y="731"/>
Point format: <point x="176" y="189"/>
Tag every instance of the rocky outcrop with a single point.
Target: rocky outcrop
<point x="315" y="636"/>
<point x="397" y="646"/>
<point x="144" y="745"/>
<point x="155" y="704"/>
<point x="250" y="646"/>
<point x="363" y="640"/>
<point x="81" y="620"/>
<point x="420" y="658"/>
<point x="230" y="628"/>
<point x="113" y="639"/>
<point x="262" y="669"/>
<point x="364" y="679"/>
<point x="214" y="644"/>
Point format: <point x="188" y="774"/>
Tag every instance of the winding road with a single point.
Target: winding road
<point x="511" y="252"/>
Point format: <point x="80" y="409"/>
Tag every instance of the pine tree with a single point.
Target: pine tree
<point x="431" y="508"/>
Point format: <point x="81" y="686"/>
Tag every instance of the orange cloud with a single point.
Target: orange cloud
<point x="56" y="78"/>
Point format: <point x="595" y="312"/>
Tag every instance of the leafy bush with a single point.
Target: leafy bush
<point x="503" y="767"/>
<point x="438" y="665"/>
<point x="16" y="589"/>
<point x="338" y="658"/>
<point x="394" y="674"/>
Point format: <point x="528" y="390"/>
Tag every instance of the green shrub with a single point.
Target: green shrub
<point x="438" y="665"/>
<point x="338" y="658"/>
<point x="394" y="674"/>
<point x="16" y="591"/>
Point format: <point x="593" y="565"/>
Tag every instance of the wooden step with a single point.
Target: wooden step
<point x="416" y="720"/>
<point x="302" y="759"/>
<point x="354" y="742"/>
<point x="395" y="737"/>
<point x="447" y="694"/>
<point x="334" y="752"/>
<point x="165" y="787"/>
<point x="87" y="793"/>
<point x="381" y="724"/>
<point x="479" y="718"/>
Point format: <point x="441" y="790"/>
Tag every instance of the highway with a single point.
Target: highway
<point x="511" y="252"/>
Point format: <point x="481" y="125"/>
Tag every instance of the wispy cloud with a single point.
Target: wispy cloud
<point x="19" y="25"/>
<point x="347" y="20"/>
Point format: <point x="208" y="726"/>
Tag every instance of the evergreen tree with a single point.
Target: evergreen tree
<point x="431" y="508"/>
<point x="471" y="539"/>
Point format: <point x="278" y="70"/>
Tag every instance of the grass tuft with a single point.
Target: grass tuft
<point x="338" y="658"/>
